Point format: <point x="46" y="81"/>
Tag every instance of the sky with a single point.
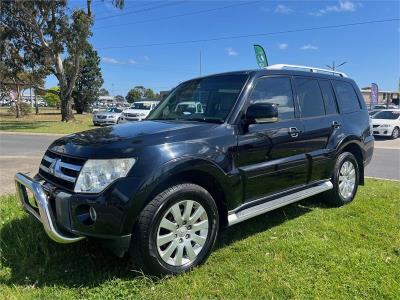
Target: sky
<point x="134" y="50"/>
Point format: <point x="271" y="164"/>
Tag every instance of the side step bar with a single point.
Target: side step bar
<point x="237" y="217"/>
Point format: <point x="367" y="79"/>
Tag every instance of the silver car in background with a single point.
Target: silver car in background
<point x="108" y="117"/>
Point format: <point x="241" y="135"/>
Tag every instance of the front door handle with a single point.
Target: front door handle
<point x="336" y="124"/>
<point x="294" y="132"/>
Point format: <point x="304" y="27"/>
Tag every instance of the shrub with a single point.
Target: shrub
<point x="25" y="109"/>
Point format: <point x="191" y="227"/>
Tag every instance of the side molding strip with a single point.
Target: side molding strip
<point x="234" y="218"/>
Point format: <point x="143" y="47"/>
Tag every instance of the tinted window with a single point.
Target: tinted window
<point x="309" y="97"/>
<point x="387" y="114"/>
<point x="347" y="96"/>
<point x="213" y="96"/>
<point x="329" y="97"/>
<point x="275" y="90"/>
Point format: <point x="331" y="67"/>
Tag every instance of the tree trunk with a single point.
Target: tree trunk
<point x="66" y="108"/>
<point x="36" y="105"/>
<point x="18" y="103"/>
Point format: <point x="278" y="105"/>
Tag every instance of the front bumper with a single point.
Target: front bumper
<point x="130" y="119"/>
<point x="105" y="121"/>
<point x="43" y="210"/>
<point x="384" y="131"/>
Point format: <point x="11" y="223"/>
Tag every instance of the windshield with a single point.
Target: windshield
<point x="113" y="110"/>
<point x="207" y="99"/>
<point x="387" y="114"/>
<point x="141" y="105"/>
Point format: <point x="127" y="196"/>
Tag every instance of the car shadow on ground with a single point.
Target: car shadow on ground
<point x="29" y="257"/>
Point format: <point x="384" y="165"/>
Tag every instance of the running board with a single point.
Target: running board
<point x="234" y="218"/>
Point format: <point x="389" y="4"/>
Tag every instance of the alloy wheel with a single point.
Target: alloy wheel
<point x="182" y="233"/>
<point x="347" y="179"/>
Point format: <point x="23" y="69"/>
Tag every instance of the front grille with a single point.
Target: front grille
<point x="374" y="126"/>
<point x="101" y="117"/>
<point x="60" y="170"/>
<point x="131" y="115"/>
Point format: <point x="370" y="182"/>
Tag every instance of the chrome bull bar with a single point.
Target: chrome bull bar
<point x="43" y="212"/>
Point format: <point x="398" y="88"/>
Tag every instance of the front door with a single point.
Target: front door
<point x="271" y="156"/>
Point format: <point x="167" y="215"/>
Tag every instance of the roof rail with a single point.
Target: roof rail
<point x="306" y="68"/>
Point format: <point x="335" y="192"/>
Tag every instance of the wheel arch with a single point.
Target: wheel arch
<point x="355" y="148"/>
<point x="202" y="172"/>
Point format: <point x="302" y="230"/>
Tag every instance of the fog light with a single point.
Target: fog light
<point x="92" y="214"/>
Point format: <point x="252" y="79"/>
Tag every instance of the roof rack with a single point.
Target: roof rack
<point x="310" y="69"/>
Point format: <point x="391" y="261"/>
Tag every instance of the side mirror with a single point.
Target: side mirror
<point x="259" y="113"/>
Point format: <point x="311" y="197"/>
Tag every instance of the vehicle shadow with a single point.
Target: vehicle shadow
<point x="28" y="257"/>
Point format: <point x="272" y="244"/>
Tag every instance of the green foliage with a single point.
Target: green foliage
<point x="139" y="92"/>
<point x="52" y="99"/>
<point x="89" y="81"/>
<point x="25" y="109"/>
<point x="46" y="36"/>
<point x="306" y="250"/>
<point x="103" y="92"/>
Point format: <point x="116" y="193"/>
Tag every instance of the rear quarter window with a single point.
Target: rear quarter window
<point x="347" y="96"/>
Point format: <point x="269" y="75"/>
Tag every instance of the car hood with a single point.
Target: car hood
<point x="384" y="121"/>
<point x="136" y="111"/>
<point x="124" y="140"/>
<point x="107" y="114"/>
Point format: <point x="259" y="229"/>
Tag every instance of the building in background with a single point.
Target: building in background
<point x="384" y="97"/>
<point x="111" y="101"/>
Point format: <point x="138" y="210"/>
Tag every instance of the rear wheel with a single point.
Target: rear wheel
<point x="345" y="180"/>
<point x="175" y="231"/>
<point x="395" y="133"/>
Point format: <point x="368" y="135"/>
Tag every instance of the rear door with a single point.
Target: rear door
<point x="271" y="156"/>
<point x="319" y="114"/>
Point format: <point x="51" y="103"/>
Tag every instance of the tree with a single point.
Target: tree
<point x="120" y="98"/>
<point x="139" y="92"/>
<point x="149" y="94"/>
<point x="46" y="27"/>
<point x="51" y="98"/>
<point x="103" y="92"/>
<point x="88" y="82"/>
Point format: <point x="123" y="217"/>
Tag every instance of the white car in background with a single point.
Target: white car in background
<point x="138" y="111"/>
<point x="108" y="117"/>
<point x="189" y="108"/>
<point x="386" y="123"/>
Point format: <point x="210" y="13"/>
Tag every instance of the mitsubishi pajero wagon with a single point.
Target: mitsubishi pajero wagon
<point x="161" y="190"/>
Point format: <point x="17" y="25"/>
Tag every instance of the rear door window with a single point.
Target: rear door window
<point x="309" y="97"/>
<point x="347" y="96"/>
<point x="275" y="90"/>
<point x="329" y="97"/>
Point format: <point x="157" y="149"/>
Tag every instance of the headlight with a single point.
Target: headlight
<point x="385" y="125"/>
<point x="111" y="116"/>
<point x="97" y="174"/>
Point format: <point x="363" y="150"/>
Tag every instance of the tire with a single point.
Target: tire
<point x="342" y="176"/>
<point x="158" y="231"/>
<point x="395" y="133"/>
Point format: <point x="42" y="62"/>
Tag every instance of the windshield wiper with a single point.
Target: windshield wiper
<point x="207" y="120"/>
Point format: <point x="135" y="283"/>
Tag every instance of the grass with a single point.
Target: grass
<point x="47" y="121"/>
<point x="305" y="250"/>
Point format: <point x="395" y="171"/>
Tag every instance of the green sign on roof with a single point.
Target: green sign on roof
<point x="262" y="60"/>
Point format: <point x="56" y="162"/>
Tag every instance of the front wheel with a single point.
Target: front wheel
<point x="345" y="180"/>
<point x="395" y="133"/>
<point x="176" y="231"/>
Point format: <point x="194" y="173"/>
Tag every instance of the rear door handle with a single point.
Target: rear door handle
<point x="336" y="124"/>
<point x="294" y="132"/>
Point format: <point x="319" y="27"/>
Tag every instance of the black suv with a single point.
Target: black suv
<point x="217" y="151"/>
